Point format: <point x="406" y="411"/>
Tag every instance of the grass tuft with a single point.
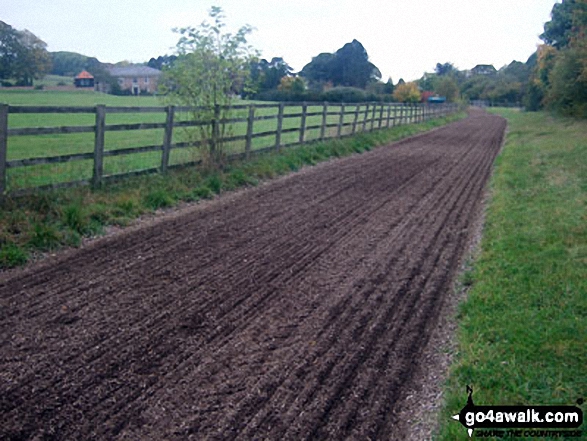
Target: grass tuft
<point x="158" y="198"/>
<point x="12" y="255"/>
<point x="45" y="237"/>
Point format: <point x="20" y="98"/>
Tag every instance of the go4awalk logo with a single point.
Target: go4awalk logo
<point x="518" y="420"/>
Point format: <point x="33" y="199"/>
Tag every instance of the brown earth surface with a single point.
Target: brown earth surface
<point x="296" y="310"/>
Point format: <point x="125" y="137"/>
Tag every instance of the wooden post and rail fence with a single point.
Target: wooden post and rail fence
<point x="362" y="117"/>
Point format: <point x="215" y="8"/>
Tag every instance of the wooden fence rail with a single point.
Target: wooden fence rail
<point x="365" y="117"/>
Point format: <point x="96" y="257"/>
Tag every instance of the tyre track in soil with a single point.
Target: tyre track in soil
<point x="295" y="310"/>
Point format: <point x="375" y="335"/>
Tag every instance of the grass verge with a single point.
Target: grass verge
<point x="47" y="221"/>
<point x="523" y="329"/>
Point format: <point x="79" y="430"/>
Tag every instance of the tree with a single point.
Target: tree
<point x="515" y="71"/>
<point x="558" y="32"/>
<point x="211" y="67"/>
<point x="445" y="69"/>
<point x="293" y="85"/>
<point x="68" y="64"/>
<point x="407" y="93"/>
<point x="351" y="67"/>
<point x="162" y="62"/>
<point x="568" y="82"/>
<point x="348" y="67"/>
<point x="267" y="75"/>
<point x="560" y="75"/>
<point x="428" y="81"/>
<point x="319" y="71"/>
<point x="389" y="87"/>
<point x="23" y="56"/>
<point x="448" y="88"/>
<point x="10" y="48"/>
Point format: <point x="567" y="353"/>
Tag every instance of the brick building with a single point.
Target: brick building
<point x="138" y="79"/>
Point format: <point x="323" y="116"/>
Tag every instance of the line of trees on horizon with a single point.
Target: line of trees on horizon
<point x="554" y="77"/>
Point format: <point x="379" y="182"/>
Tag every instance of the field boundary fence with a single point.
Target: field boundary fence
<point x="280" y="125"/>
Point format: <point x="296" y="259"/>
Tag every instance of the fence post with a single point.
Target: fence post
<point x="356" y="120"/>
<point x="3" y="147"/>
<point x="394" y="120"/>
<point x="215" y="132"/>
<point x="380" y="116"/>
<point x="365" y="118"/>
<point x="279" y="126"/>
<point x="388" y="116"/>
<point x="340" y="121"/>
<point x="167" y="138"/>
<point x="250" y="122"/>
<point x="99" y="145"/>
<point x="324" y="117"/>
<point x="303" y="123"/>
<point x="373" y="117"/>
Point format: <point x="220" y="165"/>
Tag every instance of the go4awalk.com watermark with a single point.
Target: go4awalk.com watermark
<point x="521" y="421"/>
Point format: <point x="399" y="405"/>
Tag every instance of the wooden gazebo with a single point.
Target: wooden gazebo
<point x="84" y="79"/>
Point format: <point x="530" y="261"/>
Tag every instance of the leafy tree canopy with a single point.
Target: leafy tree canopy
<point x="67" y="64"/>
<point x="162" y="62"/>
<point x="443" y="69"/>
<point x="567" y="19"/>
<point x="212" y="66"/>
<point x="267" y="75"/>
<point x="447" y="87"/>
<point x="23" y="55"/>
<point x="348" y="67"/>
<point x="407" y="93"/>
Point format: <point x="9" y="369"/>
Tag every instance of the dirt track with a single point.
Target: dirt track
<point x="296" y="310"/>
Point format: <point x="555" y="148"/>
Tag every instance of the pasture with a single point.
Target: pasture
<point x="316" y="122"/>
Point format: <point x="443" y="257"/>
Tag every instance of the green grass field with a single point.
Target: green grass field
<point x="23" y="147"/>
<point x="523" y="328"/>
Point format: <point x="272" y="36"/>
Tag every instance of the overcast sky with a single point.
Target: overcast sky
<point x="404" y="38"/>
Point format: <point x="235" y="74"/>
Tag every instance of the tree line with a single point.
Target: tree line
<point x="559" y="79"/>
<point x="554" y="77"/>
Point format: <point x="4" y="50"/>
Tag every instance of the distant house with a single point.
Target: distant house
<point x="138" y="79"/>
<point x="84" y="79"/>
<point x="484" y="69"/>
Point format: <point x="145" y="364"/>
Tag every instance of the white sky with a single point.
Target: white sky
<point x="404" y="38"/>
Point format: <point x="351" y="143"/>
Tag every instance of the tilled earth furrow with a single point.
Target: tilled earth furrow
<point x="296" y="310"/>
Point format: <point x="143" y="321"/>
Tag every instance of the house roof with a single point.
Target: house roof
<point x="134" y="71"/>
<point x="83" y="75"/>
<point x="484" y="68"/>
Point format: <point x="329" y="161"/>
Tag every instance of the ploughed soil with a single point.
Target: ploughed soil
<point x="295" y="310"/>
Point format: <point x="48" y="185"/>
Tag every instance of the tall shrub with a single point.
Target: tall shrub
<point x="212" y="66"/>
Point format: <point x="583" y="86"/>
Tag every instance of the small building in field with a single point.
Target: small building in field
<point x="84" y="79"/>
<point x="137" y="79"/>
